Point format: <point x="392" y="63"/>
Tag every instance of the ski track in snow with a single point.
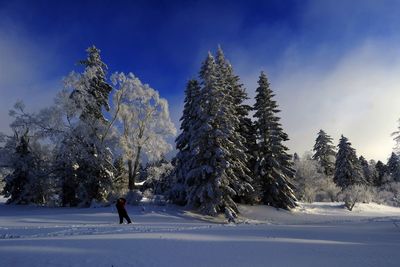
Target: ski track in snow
<point x="187" y="224"/>
<point x="96" y="229"/>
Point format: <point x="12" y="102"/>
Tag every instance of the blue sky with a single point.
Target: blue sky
<point x="333" y="64"/>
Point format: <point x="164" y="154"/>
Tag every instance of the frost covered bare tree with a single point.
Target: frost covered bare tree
<point x="144" y="122"/>
<point x="356" y="193"/>
<point x="312" y="184"/>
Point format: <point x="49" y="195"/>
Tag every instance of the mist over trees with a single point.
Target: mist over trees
<point x="354" y="179"/>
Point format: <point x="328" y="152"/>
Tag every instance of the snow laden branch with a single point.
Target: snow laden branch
<point x="144" y="122"/>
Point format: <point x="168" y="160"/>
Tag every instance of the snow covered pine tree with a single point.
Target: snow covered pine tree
<point x="393" y="167"/>
<point x="324" y="152"/>
<point x="86" y="162"/>
<point x="347" y="166"/>
<point x="273" y="165"/>
<point x="182" y="160"/>
<point x="213" y="180"/>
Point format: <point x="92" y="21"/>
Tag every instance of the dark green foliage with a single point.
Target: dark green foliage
<point x="244" y="138"/>
<point x="381" y="170"/>
<point x="218" y="168"/>
<point x="27" y="182"/>
<point x="366" y="171"/>
<point x="85" y="164"/>
<point x="94" y="93"/>
<point x="347" y="167"/>
<point x="182" y="160"/>
<point x="274" y="170"/>
<point x="393" y="167"/>
<point x="324" y="152"/>
<point x="17" y="182"/>
<point x="120" y="173"/>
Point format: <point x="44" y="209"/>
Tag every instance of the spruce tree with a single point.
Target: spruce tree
<point x="214" y="180"/>
<point x="274" y="170"/>
<point x="17" y="182"/>
<point x="120" y="174"/>
<point x="65" y="162"/>
<point x="242" y="158"/>
<point x="92" y="96"/>
<point x="324" y="152"/>
<point x="86" y="161"/>
<point x="347" y="166"/>
<point x="27" y="183"/>
<point x="183" y="158"/>
<point x="393" y="167"/>
<point x="381" y="170"/>
<point x="366" y="170"/>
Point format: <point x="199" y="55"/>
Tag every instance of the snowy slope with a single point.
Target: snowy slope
<point x="319" y="234"/>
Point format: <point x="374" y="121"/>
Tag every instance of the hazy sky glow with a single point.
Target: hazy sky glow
<point x="333" y="65"/>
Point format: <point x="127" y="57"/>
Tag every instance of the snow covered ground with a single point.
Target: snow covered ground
<point x="318" y="234"/>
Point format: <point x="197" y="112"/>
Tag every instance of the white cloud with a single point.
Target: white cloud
<point x="357" y="97"/>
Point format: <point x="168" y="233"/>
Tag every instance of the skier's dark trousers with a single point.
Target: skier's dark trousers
<point x="123" y="214"/>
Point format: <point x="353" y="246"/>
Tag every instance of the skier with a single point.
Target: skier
<point x="122" y="211"/>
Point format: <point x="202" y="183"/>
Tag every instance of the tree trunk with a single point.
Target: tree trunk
<point x="136" y="166"/>
<point x="131" y="185"/>
<point x="133" y="169"/>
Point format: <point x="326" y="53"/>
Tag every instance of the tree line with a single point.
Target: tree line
<point x="93" y="143"/>
<point x="330" y="174"/>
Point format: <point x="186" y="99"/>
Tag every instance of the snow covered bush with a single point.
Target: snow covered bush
<point x="389" y="194"/>
<point x="311" y="182"/>
<point x="157" y="176"/>
<point x="133" y="197"/>
<point x="307" y="178"/>
<point x="354" y="194"/>
<point x="328" y="191"/>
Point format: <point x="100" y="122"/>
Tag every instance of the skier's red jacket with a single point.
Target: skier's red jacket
<point x="121" y="203"/>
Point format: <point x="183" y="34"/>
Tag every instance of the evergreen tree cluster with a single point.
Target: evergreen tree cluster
<point x="328" y="175"/>
<point x="223" y="157"/>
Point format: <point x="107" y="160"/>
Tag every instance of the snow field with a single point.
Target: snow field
<point x="318" y="234"/>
